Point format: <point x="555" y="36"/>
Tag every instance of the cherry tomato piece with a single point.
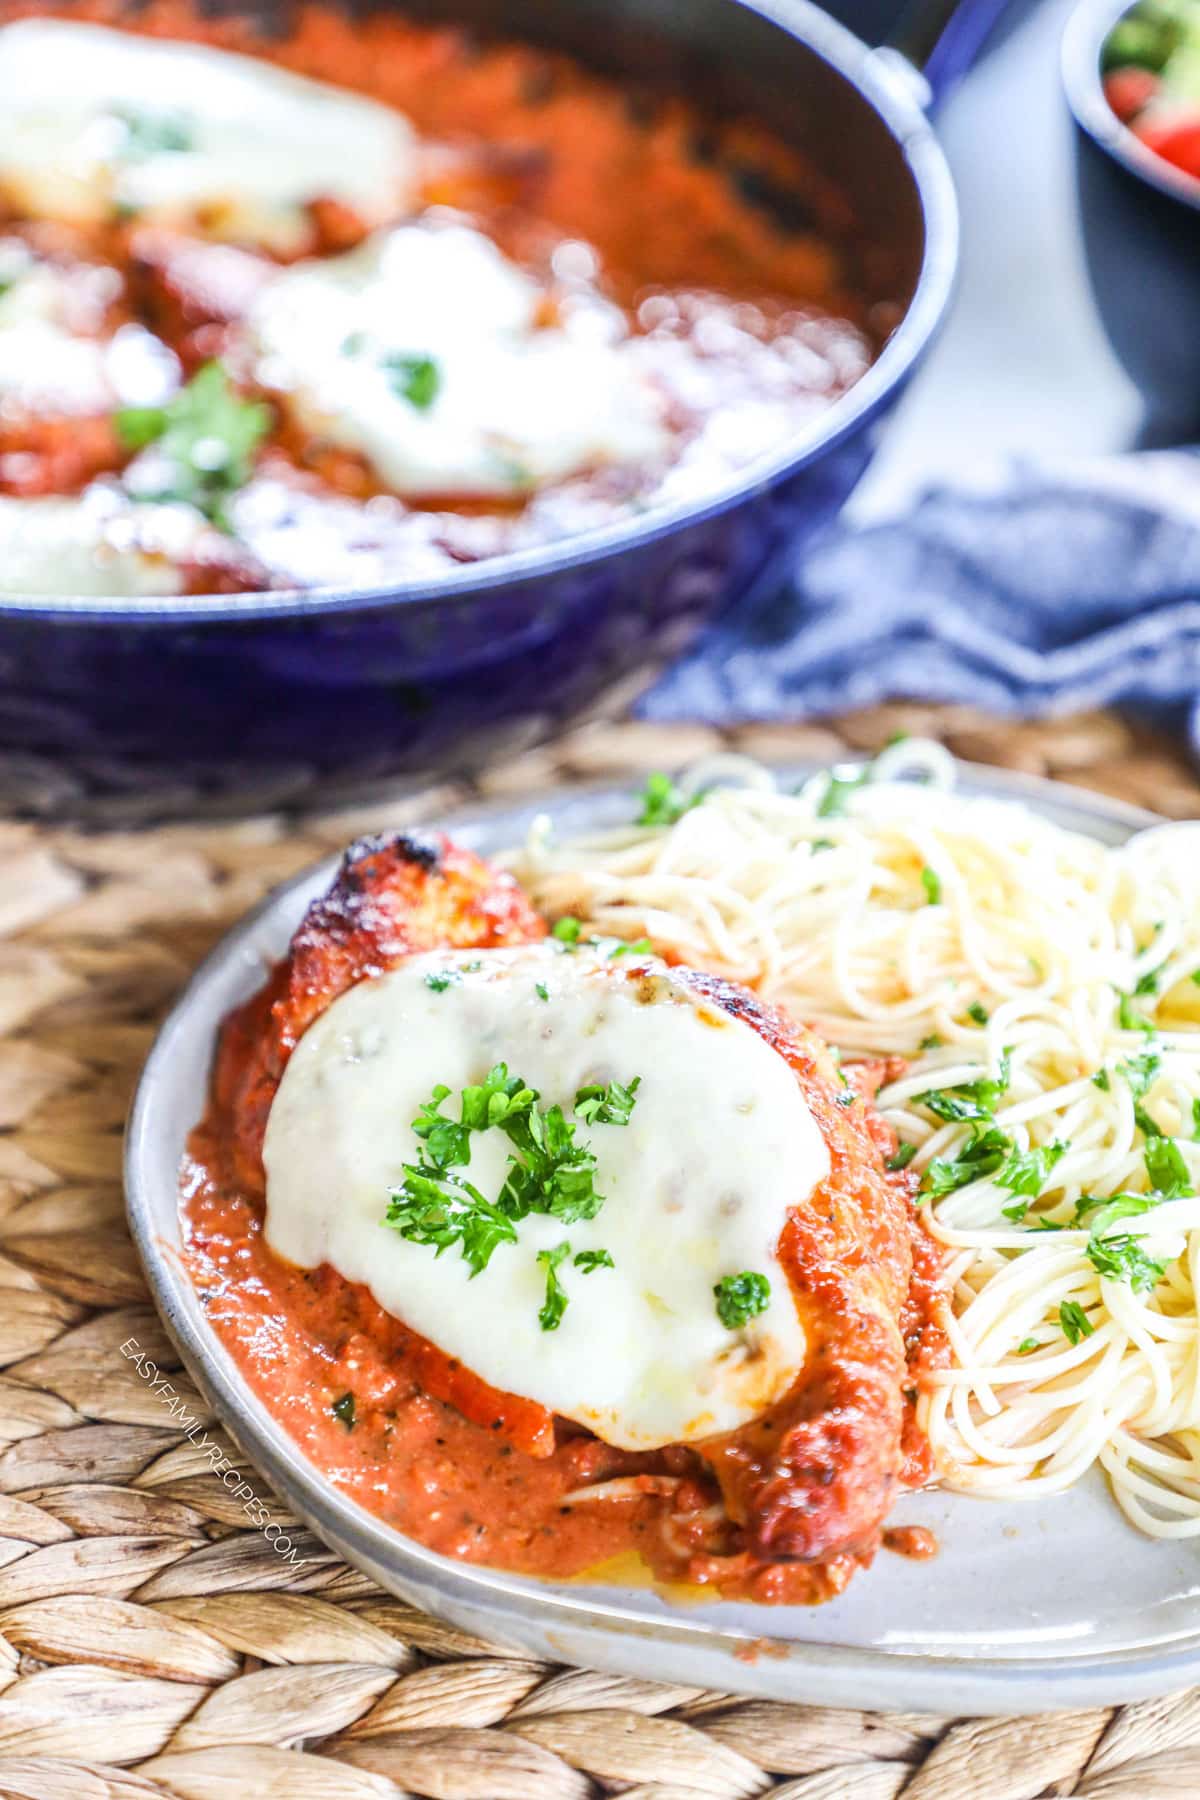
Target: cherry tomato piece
<point x="1129" y="90"/>
<point x="1176" y="142"/>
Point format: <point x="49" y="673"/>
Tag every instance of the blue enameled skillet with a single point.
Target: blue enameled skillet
<point x="132" y="709"/>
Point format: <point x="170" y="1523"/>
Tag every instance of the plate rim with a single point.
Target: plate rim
<point x="570" y="1627"/>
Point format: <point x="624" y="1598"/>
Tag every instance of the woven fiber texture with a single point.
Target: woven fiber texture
<point x="151" y="1644"/>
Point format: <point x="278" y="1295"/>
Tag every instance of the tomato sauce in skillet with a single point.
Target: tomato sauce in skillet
<point x="726" y="270"/>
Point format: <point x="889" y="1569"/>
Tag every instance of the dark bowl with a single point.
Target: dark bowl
<point x="133" y="709"/>
<point x="1140" y="220"/>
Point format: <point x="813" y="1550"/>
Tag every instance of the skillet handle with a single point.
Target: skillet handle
<point x="942" y="38"/>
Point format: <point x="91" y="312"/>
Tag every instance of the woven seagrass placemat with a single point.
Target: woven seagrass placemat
<point x="150" y="1642"/>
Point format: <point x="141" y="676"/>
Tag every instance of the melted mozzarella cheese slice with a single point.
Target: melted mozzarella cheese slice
<point x="697" y="1186"/>
<point x="95" y="544"/>
<point x="48" y="366"/>
<point x="94" y="121"/>
<point x="508" y="403"/>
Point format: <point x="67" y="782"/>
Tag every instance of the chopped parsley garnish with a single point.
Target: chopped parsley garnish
<point x="542" y="991"/>
<point x="437" y="1208"/>
<point x="1027" y="1171"/>
<point x="549" y="1170"/>
<point x="440" y="979"/>
<point x="663" y="802"/>
<point x="1196" y="977"/>
<point x="1141" y="1072"/>
<point x="500" y="1099"/>
<point x="417" y="379"/>
<point x="204" y="438"/>
<point x="1196" y="1120"/>
<point x="978" y="1013"/>
<point x="903" y="1156"/>
<point x="932" y="1042"/>
<point x="971" y="1099"/>
<point x="447" y="1143"/>
<point x="1129" y="1018"/>
<point x="607" y="1104"/>
<point x="1123" y="1259"/>
<point x="555" y="1303"/>
<point x="343" y="1411"/>
<point x="932" y="885"/>
<point x="1108" y="1209"/>
<point x="589" y="1260"/>
<point x="1074" y="1321"/>
<point x="1101" y="1080"/>
<point x="740" y="1297"/>
<point x="149" y="133"/>
<point x="981" y="1155"/>
<point x="1028" y="1344"/>
<point x="1167" y="1168"/>
<point x="567" y="933"/>
<point x="1147" y="983"/>
<point x="839" y="788"/>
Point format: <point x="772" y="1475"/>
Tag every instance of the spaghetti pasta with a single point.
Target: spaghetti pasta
<point x="1043" y="990"/>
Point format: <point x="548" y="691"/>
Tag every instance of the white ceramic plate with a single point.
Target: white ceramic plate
<point x="1029" y="1607"/>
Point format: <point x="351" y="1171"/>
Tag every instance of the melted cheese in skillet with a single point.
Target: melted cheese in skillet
<point x="49" y="365"/>
<point x="96" y="543"/>
<point x="517" y="403"/>
<point x="94" y="121"/>
<point x="697" y="1186"/>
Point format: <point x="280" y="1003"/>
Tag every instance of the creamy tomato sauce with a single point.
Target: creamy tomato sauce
<point x="413" y="1435"/>
<point x="306" y="1340"/>
<point x="691" y="284"/>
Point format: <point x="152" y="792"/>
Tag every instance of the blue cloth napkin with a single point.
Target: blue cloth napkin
<point x="1041" y="592"/>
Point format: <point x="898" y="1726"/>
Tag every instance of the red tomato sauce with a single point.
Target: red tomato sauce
<point x="306" y="1338"/>
<point x="739" y="265"/>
